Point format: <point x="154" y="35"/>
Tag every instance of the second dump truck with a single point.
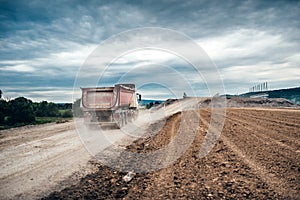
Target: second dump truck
<point x="110" y="106"/>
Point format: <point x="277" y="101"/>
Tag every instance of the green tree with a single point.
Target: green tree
<point x="45" y="109"/>
<point x="64" y="106"/>
<point x="21" y="111"/>
<point x="67" y="114"/>
<point x="52" y="110"/>
<point x="41" y="109"/>
<point x="148" y="106"/>
<point x="3" y="110"/>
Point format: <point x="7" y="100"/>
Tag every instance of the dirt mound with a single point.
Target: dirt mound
<point x="252" y="102"/>
<point x="251" y="160"/>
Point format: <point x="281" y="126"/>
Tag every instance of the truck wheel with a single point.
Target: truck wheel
<point x="130" y="118"/>
<point x="121" y="120"/>
<point x="136" y="114"/>
<point x="125" y="119"/>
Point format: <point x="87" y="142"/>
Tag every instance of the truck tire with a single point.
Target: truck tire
<point x="131" y="116"/>
<point x="125" y="118"/>
<point x="122" y="122"/>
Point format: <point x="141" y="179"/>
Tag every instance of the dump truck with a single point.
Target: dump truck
<point x="110" y="106"/>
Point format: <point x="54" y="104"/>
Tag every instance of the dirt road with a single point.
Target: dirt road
<point x="257" y="156"/>
<point x="36" y="160"/>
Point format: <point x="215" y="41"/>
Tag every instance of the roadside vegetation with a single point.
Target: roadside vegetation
<point x="22" y="111"/>
<point x="151" y="104"/>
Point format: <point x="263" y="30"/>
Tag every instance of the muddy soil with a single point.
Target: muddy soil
<point x="256" y="157"/>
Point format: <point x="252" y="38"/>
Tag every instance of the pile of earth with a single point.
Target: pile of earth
<point x="251" y="102"/>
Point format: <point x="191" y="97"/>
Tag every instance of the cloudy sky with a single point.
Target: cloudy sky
<point x="43" y="45"/>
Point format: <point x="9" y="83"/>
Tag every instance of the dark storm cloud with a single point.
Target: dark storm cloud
<point x="44" y="43"/>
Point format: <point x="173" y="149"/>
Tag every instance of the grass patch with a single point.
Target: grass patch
<point x="38" y="120"/>
<point x="44" y="120"/>
<point x="2" y="127"/>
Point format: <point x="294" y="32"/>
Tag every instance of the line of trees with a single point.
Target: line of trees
<point x="22" y="110"/>
<point x="151" y="104"/>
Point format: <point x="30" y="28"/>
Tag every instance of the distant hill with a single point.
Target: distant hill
<point x="292" y="94"/>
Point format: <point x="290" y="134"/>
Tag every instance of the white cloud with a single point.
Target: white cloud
<point x="72" y="57"/>
<point x="247" y="56"/>
<point x="18" y="68"/>
<point x="248" y="41"/>
<point x="37" y="94"/>
<point x="295" y="58"/>
<point x="248" y="75"/>
<point x="48" y="66"/>
<point x="145" y="56"/>
<point x="240" y="44"/>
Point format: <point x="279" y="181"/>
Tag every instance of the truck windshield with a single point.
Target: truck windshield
<point x="99" y="99"/>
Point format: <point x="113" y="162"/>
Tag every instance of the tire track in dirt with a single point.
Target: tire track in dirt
<point x="278" y="137"/>
<point x="43" y="164"/>
<point x="291" y="113"/>
<point x="36" y="182"/>
<point x="275" y="183"/>
<point x="282" y="123"/>
<point x="269" y="129"/>
<point x="281" y="118"/>
<point x="29" y="133"/>
<point x="278" y="184"/>
<point x="262" y="136"/>
<point x="200" y="179"/>
<point x="266" y="135"/>
<point x="168" y="174"/>
<point x="46" y="160"/>
<point x="286" y="114"/>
